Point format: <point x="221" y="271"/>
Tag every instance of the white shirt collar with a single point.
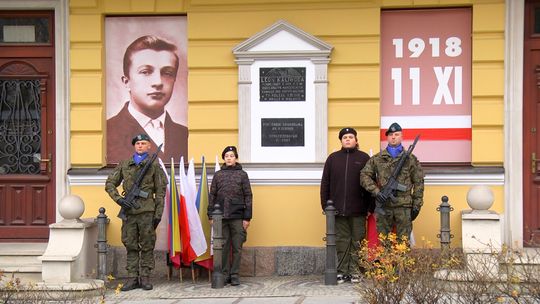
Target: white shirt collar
<point x="142" y="119"/>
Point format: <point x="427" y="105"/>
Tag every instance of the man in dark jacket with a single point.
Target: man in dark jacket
<point x="341" y="184"/>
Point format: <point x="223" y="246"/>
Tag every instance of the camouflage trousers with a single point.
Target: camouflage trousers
<point x="139" y="238"/>
<point x="350" y="231"/>
<point x="400" y="217"/>
<point x="235" y="236"/>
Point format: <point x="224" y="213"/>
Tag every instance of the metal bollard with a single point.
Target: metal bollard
<point x="330" y="273"/>
<point x="445" y="235"/>
<point x="102" y="247"/>
<point x="218" y="281"/>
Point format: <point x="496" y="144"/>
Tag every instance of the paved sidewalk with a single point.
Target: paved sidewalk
<point x="274" y="290"/>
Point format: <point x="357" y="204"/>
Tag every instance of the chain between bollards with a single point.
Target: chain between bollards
<point x="445" y="235"/>
<point x="330" y="273"/>
<point x="102" y="247"/>
<point x="218" y="281"/>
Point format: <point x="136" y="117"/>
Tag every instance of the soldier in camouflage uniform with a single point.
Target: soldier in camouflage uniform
<point x="232" y="190"/>
<point x="376" y="174"/>
<point x="138" y="230"/>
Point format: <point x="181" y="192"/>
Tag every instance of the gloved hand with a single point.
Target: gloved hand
<point x="381" y="197"/>
<point x="414" y="213"/>
<point x="124" y="203"/>
<point x="156" y="223"/>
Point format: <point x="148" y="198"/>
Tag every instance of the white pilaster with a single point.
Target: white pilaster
<point x="513" y="127"/>
<point x="244" y="108"/>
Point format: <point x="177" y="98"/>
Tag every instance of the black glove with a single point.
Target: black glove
<point x="414" y="213"/>
<point x="156" y="223"/>
<point x="121" y="202"/>
<point x="125" y="204"/>
<point x="381" y="197"/>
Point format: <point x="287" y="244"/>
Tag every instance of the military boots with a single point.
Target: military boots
<point x="235" y="281"/>
<point x="131" y="284"/>
<point x="145" y="283"/>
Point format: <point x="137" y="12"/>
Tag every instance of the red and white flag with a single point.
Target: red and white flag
<point x="188" y="253"/>
<point x="197" y="241"/>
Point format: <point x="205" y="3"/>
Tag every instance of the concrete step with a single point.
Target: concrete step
<point x="18" y="249"/>
<point x="20" y="260"/>
<point x="523" y="264"/>
<point x="525" y="256"/>
<point x="36" y="267"/>
<point x="23" y="277"/>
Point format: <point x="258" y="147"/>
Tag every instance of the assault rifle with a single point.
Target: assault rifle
<point x="387" y="192"/>
<point x="135" y="190"/>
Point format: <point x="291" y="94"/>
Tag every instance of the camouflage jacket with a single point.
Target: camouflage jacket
<point x="154" y="182"/>
<point x="232" y="190"/>
<point x="379" y="169"/>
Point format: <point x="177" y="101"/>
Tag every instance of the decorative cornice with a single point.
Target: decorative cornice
<point x="310" y="174"/>
<point x="243" y="49"/>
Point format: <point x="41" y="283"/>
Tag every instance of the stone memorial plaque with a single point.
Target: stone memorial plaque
<point x="282" y="132"/>
<point x="282" y="84"/>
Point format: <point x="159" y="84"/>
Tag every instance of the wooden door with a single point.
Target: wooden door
<point x="27" y="134"/>
<point x="531" y="125"/>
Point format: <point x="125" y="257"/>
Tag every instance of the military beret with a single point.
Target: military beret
<point x="140" y="137"/>
<point x="394" y="127"/>
<point x="346" y="131"/>
<point x="227" y="149"/>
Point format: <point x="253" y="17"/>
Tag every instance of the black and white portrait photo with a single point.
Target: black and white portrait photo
<point x="146" y="70"/>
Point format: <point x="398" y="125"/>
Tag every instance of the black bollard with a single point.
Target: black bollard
<point x="330" y="273"/>
<point x="218" y="281"/>
<point x="445" y="236"/>
<point x="102" y="247"/>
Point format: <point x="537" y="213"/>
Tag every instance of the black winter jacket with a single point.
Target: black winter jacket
<point x="232" y="190"/>
<point x="341" y="183"/>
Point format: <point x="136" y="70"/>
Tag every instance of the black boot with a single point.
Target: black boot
<point x="145" y="283"/>
<point x="235" y="281"/>
<point x="131" y="284"/>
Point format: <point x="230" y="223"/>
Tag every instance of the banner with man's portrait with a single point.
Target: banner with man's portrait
<point x="146" y="85"/>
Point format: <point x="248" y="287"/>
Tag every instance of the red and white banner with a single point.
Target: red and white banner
<point x="426" y="80"/>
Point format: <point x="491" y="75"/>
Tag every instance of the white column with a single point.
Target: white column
<point x="321" y="108"/>
<point x="244" y="108"/>
<point x="513" y="130"/>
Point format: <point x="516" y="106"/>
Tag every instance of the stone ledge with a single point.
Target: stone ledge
<point x="256" y="261"/>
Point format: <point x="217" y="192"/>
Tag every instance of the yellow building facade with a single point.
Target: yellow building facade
<point x="287" y="213"/>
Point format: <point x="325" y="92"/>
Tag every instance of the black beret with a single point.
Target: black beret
<point x="227" y="149"/>
<point x="346" y="131"/>
<point x="140" y="137"/>
<point x="395" y="127"/>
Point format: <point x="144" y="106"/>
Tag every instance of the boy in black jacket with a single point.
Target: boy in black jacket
<point x="341" y="184"/>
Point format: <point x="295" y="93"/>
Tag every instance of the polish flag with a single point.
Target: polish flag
<point x="188" y="253"/>
<point x="198" y="241"/>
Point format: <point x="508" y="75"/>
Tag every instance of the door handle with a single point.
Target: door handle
<point x="49" y="163"/>
<point x="533" y="163"/>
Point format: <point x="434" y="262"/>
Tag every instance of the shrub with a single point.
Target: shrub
<point x="396" y="274"/>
